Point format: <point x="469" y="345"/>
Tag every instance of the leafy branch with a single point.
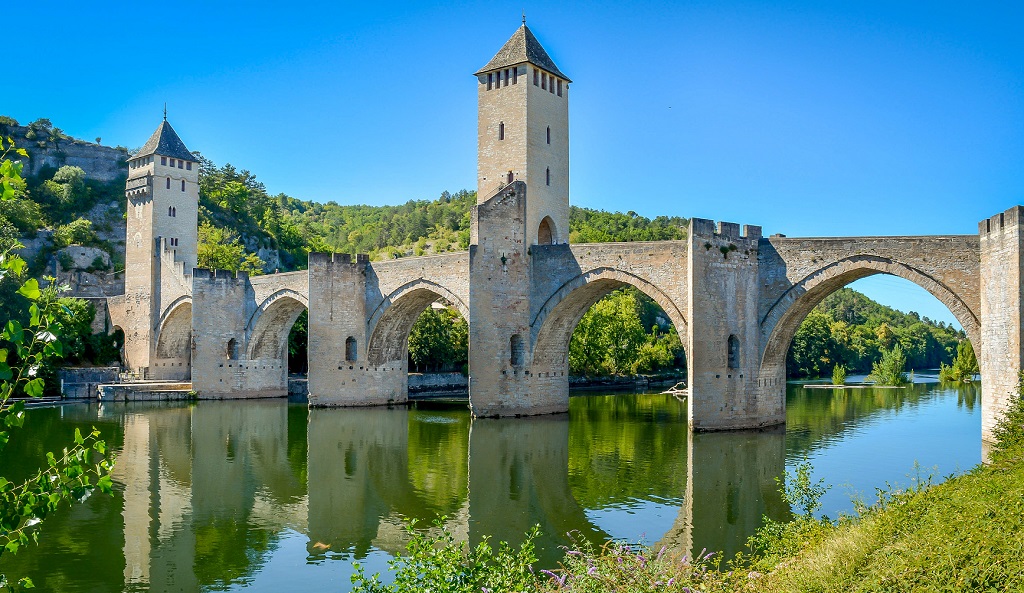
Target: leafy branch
<point x="84" y="465"/>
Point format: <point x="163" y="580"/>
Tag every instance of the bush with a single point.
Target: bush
<point x="839" y="375"/>
<point x="964" y="367"/>
<point x="889" y="370"/>
<point x="78" y="232"/>
<point x="439" y="563"/>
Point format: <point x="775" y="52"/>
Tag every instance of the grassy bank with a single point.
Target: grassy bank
<point x="965" y="534"/>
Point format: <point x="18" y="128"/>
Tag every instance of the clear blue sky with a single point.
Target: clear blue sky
<point x="808" y="118"/>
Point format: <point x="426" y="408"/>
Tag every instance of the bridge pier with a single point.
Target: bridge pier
<point x="1001" y="352"/>
<point x="727" y="391"/>
<point x="502" y="378"/>
<point x="339" y="372"/>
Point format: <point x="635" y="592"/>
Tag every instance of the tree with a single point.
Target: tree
<point x="83" y="466"/>
<point x="220" y="249"/>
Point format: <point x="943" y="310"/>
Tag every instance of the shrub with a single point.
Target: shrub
<point x="964" y="367"/>
<point x="66" y="261"/>
<point x="78" y="232"/>
<point x="889" y="370"/>
<point x="439" y="563"/>
<point x="839" y="375"/>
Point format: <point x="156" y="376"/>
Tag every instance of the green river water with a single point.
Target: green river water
<point x="269" y="496"/>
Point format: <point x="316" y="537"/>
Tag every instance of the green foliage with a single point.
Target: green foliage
<point x="220" y="249"/>
<point x="850" y="329"/>
<point x="439" y="341"/>
<point x="597" y="226"/>
<point x="83" y="466"/>
<point x="839" y="375"/>
<point x="890" y="368"/>
<point x="440" y="564"/>
<point x="6" y="120"/>
<point x="1009" y="431"/>
<point x="65" y="193"/>
<point x="77" y="232"/>
<point x="964" y="367"/>
<point x="611" y="338"/>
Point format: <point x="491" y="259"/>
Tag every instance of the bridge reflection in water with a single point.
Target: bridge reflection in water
<point x="221" y="494"/>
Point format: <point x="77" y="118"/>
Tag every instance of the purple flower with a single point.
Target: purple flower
<point x="559" y="579"/>
<point x="660" y="552"/>
<point x="592" y="570"/>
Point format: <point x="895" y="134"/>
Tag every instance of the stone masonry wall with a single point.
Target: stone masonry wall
<point x="723" y="359"/>
<point x="338" y="311"/>
<point x="1001" y="354"/>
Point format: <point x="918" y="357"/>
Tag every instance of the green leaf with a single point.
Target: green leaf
<point x="78" y="437"/>
<point x="34" y="388"/>
<point x="13" y="332"/>
<point x="30" y="289"/>
<point x="5" y="371"/>
<point x="33" y="311"/>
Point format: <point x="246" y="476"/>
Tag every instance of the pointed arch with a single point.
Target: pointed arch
<point x="780" y="324"/>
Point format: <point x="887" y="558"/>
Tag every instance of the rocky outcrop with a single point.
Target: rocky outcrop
<point x="100" y="163"/>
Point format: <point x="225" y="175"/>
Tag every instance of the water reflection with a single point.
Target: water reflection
<point x="216" y="496"/>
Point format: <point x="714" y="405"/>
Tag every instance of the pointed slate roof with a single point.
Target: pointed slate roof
<point x="165" y="142"/>
<point x="522" y="47"/>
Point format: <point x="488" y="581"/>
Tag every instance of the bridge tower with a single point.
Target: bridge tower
<point x="162" y="239"/>
<point x="523" y="133"/>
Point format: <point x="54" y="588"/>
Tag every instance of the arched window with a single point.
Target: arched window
<point x="549" y="134"/>
<point x="168" y="183"/>
<point x="174" y="211"/>
<point x="501" y="131"/>
<point x="734" y="352"/>
<point x="517" y="349"/>
<point x="182" y="185"/>
<point x="510" y="177"/>
<point x="546" y="232"/>
<point x="547" y="176"/>
<point x="169" y="211"/>
<point x="232" y="350"/>
<point x="350" y="349"/>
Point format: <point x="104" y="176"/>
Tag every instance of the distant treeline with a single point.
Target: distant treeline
<point x="850" y="329"/>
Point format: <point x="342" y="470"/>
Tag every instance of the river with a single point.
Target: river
<point x="268" y="496"/>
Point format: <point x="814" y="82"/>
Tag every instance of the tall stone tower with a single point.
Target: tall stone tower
<point x="523" y="134"/>
<point x="160" y="252"/>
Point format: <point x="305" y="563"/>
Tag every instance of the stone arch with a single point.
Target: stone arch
<point x="552" y="326"/>
<point x="547" y="234"/>
<point x="269" y="326"/>
<point x="780" y="324"/>
<point x="389" y="325"/>
<point x="174" y="333"/>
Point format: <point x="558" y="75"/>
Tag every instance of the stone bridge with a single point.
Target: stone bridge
<point x="736" y="298"/>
